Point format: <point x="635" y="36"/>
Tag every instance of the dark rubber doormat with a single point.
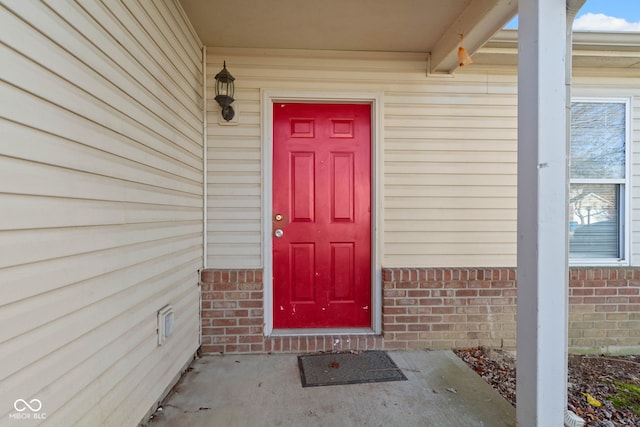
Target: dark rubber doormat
<point x="348" y="368"/>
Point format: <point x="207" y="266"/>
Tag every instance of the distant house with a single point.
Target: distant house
<point x="590" y="208"/>
<point x="363" y="197"/>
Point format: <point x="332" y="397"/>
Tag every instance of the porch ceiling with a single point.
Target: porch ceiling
<point x="429" y="26"/>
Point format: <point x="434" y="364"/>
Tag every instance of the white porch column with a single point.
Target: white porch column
<point x="542" y="217"/>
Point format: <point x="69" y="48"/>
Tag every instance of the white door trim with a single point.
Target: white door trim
<point x="268" y="98"/>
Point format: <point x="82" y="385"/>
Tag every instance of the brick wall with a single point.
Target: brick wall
<point x="449" y="308"/>
<point x="232" y="311"/>
<point x="233" y="319"/>
<point x="429" y="308"/>
<point x="604" y="308"/>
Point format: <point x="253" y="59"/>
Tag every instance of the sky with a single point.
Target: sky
<point x="604" y="15"/>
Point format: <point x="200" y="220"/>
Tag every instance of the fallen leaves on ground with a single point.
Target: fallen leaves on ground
<point x="598" y="376"/>
<point x="592" y="400"/>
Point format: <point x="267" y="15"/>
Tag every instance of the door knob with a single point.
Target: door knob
<point x="278" y="233"/>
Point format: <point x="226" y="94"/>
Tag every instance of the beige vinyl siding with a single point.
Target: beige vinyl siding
<point x="449" y="183"/>
<point x="449" y="170"/>
<point x="101" y="211"/>
<point x="450" y="174"/>
<point x="635" y="177"/>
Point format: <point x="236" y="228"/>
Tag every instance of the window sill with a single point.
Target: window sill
<point x="598" y="262"/>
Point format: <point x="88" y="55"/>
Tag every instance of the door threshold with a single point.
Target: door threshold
<point x="321" y="332"/>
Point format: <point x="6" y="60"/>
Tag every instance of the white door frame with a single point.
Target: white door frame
<point x="268" y="98"/>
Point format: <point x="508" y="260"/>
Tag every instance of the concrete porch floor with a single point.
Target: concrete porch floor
<point x="265" y="390"/>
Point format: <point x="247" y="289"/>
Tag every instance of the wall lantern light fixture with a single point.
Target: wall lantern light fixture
<point x="224" y="92"/>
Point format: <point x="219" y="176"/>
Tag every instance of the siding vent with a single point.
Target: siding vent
<point x="165" y="323"/>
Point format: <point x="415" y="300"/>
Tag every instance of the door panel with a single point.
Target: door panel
<point x="342" y="190"/>
<point x="302" y="186"/>
<point x="322" y="208"/>
<point x="303" y="257"/>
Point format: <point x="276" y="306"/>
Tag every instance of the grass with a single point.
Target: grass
<point x="627" y="396"/>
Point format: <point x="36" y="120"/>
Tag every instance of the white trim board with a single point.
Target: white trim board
<point x="268" y="98"/>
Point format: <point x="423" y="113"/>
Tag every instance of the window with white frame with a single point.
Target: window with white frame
<point x="598" y="181"/>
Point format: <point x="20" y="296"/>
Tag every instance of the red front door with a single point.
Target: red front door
<point x="321" y="215"/>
